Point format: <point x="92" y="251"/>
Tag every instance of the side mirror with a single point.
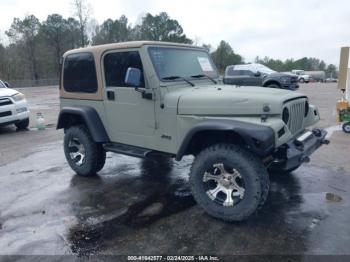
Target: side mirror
<point x="133" y="77"/>
<point x="257" y="74"/>
<point x="7" y="84"/>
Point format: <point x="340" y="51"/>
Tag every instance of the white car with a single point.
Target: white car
<point x="302" y="76"/>
<point x="13" y="107"/>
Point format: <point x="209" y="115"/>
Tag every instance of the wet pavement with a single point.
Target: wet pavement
<point x="138" y="207"/>
<point x="144" y="207"/>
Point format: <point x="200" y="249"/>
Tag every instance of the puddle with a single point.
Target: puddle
<point x="148" y="194"/>
<point x="86" y="240"/>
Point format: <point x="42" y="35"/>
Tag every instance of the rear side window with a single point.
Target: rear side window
<point x="116" y="65"/>
<point x="247" y="73"/>
<point x="232" y="72"/>
<point x="79" y="73"/>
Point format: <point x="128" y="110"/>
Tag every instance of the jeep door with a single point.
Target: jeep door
<point x="131" y="118"/>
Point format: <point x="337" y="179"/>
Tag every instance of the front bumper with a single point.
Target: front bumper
<point x="298" y="151"/>
<point x="13" y="113"/>
<point x="292" y="86"/>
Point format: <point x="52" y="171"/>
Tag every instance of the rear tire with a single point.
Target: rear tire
<point x="229" y="182"/>
<point x="23" y="124"/>
<point x="346" y="127"/>
<point x="83" y="155"/>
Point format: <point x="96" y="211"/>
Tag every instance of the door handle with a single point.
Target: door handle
<point x="110" y="95"/>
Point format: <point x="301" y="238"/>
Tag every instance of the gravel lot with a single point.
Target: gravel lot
<point x="137" y="207"/>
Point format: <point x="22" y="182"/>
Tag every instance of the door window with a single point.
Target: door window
<point x="116" y="66"/>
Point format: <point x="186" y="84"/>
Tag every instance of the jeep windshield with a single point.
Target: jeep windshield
<point x="2" y="85"/>
<point x="174" y="64"/>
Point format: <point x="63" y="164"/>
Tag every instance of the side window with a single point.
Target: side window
<point x="247" y="73"/>
<point x="238" y="72"/>
<point x="232" y="72"/>
<point x="116" y="65"/>
<point x="79" y="73"/>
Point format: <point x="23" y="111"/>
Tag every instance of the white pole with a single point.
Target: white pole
<point x="347" y="91"/>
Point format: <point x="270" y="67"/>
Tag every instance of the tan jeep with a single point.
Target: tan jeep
<point x="145" y="98"/>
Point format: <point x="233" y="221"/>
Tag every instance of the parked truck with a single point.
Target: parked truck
<point x="318" y="76"/>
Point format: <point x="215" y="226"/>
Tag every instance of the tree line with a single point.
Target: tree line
<point x="36" y="47"/>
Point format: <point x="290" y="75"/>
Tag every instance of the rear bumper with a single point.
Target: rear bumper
<point x="298" y="151"/>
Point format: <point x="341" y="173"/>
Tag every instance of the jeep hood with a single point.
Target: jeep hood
<point x="228" y="100"/>
<point x="7" y="92"/>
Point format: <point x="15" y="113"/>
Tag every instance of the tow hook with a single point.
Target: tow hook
<point x="318" y="133"/>
<point x="305" y="159"/>
<point x="325" y="141"/>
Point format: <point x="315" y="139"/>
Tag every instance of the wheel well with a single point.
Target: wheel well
<point x="204" y="139"/>
<point x="272" y="82"/>
<point x="67" y="120"/>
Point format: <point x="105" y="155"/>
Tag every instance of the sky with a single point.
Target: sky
<point x="273" y="28"/>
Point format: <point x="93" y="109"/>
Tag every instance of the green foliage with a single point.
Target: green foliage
<point x="224" y="56"/>
<point x="331" y="71"/>
<point x="112" y="31"/>
<point x="305" y="63"/>
<point x="24" y="33"/>
<point x="160" y="28"/>
<point x="36" y="48"/>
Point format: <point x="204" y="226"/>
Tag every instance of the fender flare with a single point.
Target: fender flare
<point x="260" y="139"/>
<point x="90" y="117"/>
<point x="270" y="81"/>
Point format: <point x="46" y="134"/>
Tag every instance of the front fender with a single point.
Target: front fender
<point x="260" y="139"/>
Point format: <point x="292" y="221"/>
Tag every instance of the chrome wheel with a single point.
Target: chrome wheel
<point x="224" y="187"/>
<point x="76" y="151"/>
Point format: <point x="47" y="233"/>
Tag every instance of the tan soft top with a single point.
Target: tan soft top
<point x="132" y="44"/>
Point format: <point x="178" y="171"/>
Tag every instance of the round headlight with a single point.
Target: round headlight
<point x="285" y="115"/>
<point x="307" y="107"/>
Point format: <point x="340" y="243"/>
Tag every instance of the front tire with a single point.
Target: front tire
<point x="346" y="127"/>
<point x="229" y="182"/>
<point x="301" y="80"/>
<point x="273" y="86"/>
<point x="23" y="124"/>
<point x="83" y="155"/>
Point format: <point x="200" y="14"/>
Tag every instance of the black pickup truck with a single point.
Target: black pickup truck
<point x="259" y="75"/>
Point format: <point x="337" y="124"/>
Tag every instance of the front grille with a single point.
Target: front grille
<point x="6" y="113"/>
<point x="294" y="79"/>
<point x="5" y="102"/>
<point x="296" y="115"/>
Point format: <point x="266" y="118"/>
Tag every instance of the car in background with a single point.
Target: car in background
<point x="259" y="75"/>
<point x="302" y="76"/>
<point x="331" y="80"/>
<point x="13" y="107"/>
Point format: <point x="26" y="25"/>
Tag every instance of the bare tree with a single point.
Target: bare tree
<point x="82" y="11"/>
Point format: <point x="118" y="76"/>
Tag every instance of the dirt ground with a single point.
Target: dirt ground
<point x="144" y="207"/>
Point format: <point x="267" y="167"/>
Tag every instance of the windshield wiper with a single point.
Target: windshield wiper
<point x="202" y="75"/>
<point x="177" y="77"/>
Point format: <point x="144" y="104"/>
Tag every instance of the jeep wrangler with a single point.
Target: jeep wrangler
<point x="150" y="98"/>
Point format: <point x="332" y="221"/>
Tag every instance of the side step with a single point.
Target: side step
<point x="127" y="150"/>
